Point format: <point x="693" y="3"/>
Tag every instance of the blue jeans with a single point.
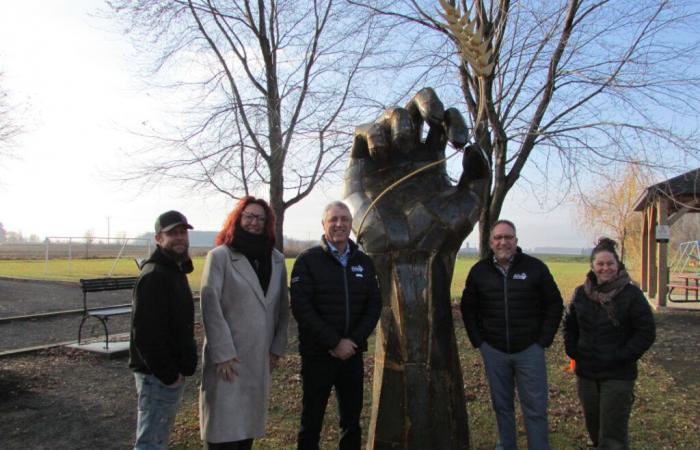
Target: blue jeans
<point x="528" y="371"/>
<point x="157" y="410"/>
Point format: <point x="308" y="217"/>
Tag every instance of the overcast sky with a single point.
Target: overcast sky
<point x="76" y="81"/>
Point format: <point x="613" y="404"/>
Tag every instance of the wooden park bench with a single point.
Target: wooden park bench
<point x="103" y="314"/>
<point x="690" y="284"/>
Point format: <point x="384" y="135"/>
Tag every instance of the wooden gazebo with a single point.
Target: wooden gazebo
<point x="662" y="205"/>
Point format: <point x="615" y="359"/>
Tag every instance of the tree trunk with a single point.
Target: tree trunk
<point x="418" y="395"/>
<point x="277" y="202"/>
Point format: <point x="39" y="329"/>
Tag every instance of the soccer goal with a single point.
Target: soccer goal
<point x="96" y="256"/>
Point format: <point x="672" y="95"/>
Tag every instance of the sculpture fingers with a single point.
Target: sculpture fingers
<point x="457" y="130"/>
<point x="426" y="106"/>
<point x="371" y="140"/>
<point x="398" y="124"/>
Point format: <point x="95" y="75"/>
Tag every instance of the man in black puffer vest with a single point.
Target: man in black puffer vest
<point x="336" y="301"/>
<point x="162" y="349"/>
<point x="511" y="308"/>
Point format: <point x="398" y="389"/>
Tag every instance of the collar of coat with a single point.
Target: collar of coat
<point x="515" y="258"/>
<point x="162" y="258"/>
<point x="242" y="266"/>
<point x="351" y="244"/>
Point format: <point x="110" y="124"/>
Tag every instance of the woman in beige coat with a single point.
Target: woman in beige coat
<point x="245" y="313"/>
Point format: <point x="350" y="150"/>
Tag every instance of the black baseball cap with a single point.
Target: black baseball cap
<point x="169" y="220"/>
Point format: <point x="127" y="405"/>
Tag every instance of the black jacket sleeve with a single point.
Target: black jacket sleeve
<point x="643" y="330"/>
<point x="571" y="331"/>
<point x="302" y="304"/>
<point x="552" y="308"/>
<point x="470" y="310"/>
<point x="150" y="327"/>
<point x="373" y="308"/>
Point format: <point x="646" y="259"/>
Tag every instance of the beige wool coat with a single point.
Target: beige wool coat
<point x="239" y="321"/>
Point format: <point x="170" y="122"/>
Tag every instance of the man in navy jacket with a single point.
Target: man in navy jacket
<point x="511" y="309"/>
<point x="336" y="302"/>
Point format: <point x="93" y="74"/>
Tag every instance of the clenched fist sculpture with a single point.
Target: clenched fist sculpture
<point x="413" y="233"/>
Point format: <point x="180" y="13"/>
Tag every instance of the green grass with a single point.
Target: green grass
<point x="664" y="416"/>
<point x="74" y="270"/>
<point x="568" y="272"/>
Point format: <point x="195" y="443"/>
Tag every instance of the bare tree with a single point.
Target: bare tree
<point x="9" y="127"/>
<point x="89" y="237"/>
<point x="607" y="209"/>
<point x="576" y="85"/>
<point x="273" y="83"/>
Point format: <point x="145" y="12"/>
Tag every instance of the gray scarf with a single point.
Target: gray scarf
<point x="604" y="293"/>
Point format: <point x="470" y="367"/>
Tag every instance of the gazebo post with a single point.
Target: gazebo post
<point x="651" y="248"/>
<point x="643" y="267"/>
<point x="663" y="254"/>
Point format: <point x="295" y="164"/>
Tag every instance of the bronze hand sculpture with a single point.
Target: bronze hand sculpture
<point x="413" y="233"/>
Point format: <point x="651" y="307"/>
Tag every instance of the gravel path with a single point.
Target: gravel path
<point x="63" y="398"/>
<point x="19" y="298"/>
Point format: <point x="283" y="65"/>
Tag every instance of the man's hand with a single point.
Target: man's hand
<point x="178" y="382"/>
<point x="344" y="350"/>
<point x="227" y="370"/>
<point x="426" y="210"/>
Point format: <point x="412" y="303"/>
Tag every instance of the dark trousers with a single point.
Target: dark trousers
<point x="607" y="405"/>
<point x="246" y="444"/>
<point x="318" y="375"/>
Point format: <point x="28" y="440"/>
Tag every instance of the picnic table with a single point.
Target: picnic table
<point x="688" y="283"/>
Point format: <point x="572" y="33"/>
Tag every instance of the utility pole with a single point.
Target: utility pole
<point x="108" y="230"/>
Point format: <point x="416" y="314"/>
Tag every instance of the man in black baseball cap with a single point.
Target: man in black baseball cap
<point x="162" y="347"/>
<point x="169" y="220"/>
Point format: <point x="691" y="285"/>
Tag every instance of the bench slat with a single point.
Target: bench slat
<point x="107" y="284"/>
<point x="104" y="312"/>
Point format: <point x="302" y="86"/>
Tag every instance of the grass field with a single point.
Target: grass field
<point x="664" y="417"/>
<point x="567" y="270"/>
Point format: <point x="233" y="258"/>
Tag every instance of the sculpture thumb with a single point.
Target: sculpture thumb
<point x="476" y="169"/>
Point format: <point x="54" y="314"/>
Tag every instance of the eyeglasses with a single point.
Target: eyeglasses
<point x="249" y="217"/>
<point x="503" y="237"/>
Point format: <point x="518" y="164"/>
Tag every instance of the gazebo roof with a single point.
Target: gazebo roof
<point x="683" y="191"/>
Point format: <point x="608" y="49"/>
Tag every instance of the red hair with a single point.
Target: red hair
<point x="227" y="234"/>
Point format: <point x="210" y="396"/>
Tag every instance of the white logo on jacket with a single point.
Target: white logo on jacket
<point x="520" y="276"/>
<point x="357" y="270"/>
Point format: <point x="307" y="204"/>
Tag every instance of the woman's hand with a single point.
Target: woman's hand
<point x="227" y="370"/>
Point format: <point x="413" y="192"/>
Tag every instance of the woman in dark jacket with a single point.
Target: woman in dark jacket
<point x="607" y="327"/>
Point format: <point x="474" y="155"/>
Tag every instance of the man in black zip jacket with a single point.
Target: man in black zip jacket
<point x="511" y="309"/>
<point x="336" y="302"/>
<point x="162" y="348"/>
